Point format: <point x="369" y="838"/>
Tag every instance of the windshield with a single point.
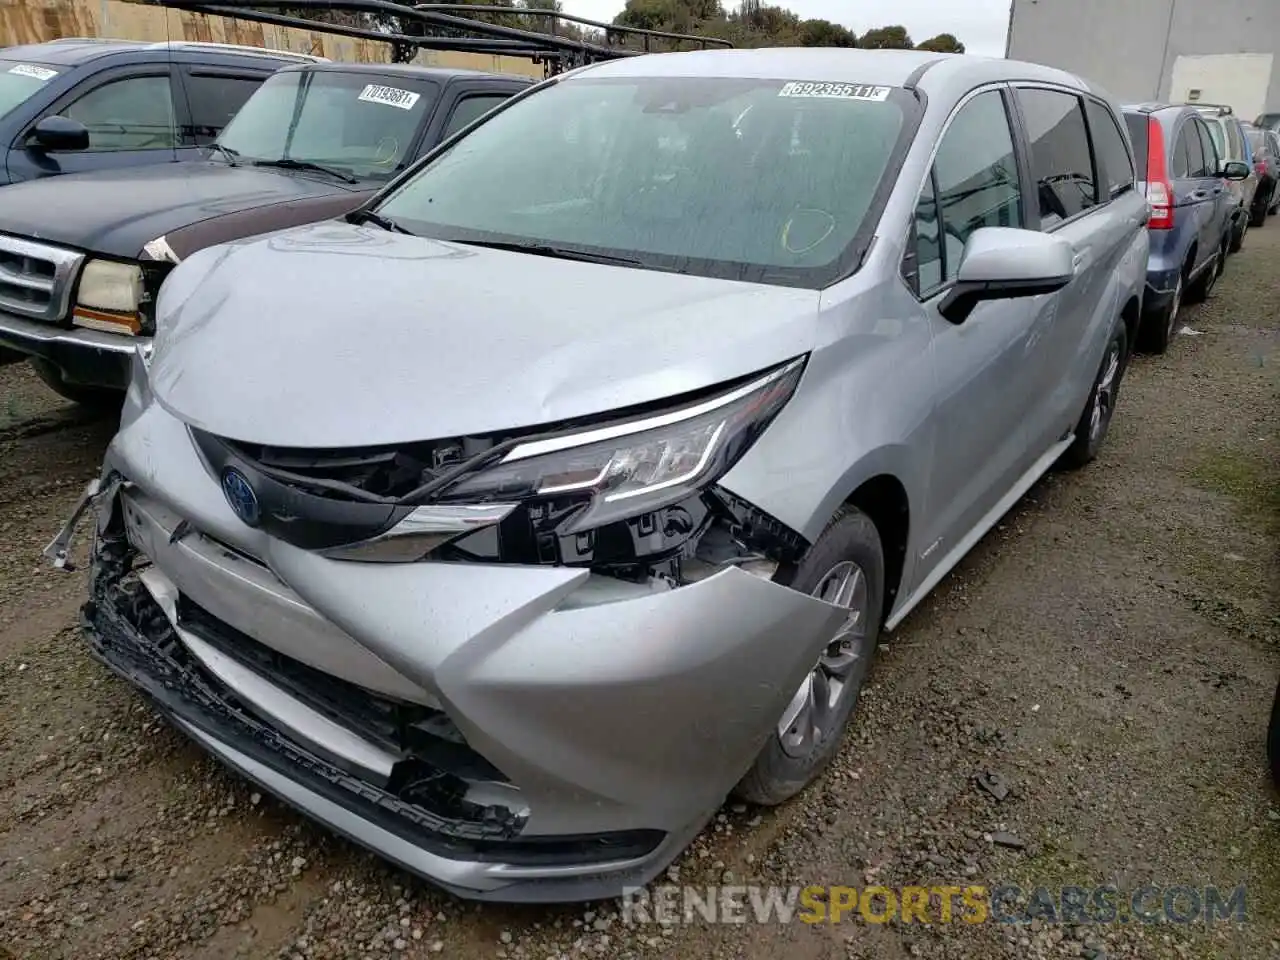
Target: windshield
<point x="18" y="81"/>
<point x="763" y="180"/>
<point x="357" y="122"/>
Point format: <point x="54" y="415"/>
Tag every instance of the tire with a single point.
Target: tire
<point x="1237" y="235"/>
<point x="1157" y="329"/>
<point x="1103" y="396"/>
<point x="784" y="767"/>
<point x="1198" y="291"/>
<point x="94" y="398"/>
<point x="1258" y="215"/>
<point x="1273" y="740"/>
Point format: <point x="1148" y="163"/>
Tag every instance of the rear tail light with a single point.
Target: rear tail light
<point x="1159" y="191"/>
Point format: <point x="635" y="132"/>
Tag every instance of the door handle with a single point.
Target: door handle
<point x="1199" y="194"/>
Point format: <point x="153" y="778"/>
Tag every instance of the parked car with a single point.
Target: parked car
<point x="1191" y="212"/>
<point x="1268" y="121"/>
<point x="1266" y="164"/>
<point x="1228" y="137"/>
<point x="76" y="104"/>
<point x="509" y="528"/>
<point x="313" y="142"/>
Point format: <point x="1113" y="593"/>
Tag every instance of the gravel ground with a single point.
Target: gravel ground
<point x="1109" y="652"/>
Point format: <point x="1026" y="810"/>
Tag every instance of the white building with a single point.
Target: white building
<point x="1210" y="51"/>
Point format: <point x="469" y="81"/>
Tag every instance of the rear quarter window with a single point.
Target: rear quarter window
<point x="1110" y="148"/>
<point x="1137" y="124"/>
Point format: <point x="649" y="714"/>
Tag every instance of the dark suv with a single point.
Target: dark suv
<point x="78" y="287"/>
<point x="1191" y="207"/>
<point x="75" y="105"/>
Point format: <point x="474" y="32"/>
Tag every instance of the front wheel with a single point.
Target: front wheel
<point x="845" y="567"/>
<point x="1098" y="411"/>
<point x="1258" y="216"/>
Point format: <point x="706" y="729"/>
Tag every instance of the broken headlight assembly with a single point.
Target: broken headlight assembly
<point x="115" y="297"/>
<point x="621" y="470"/>
<point x="609" y="496"/>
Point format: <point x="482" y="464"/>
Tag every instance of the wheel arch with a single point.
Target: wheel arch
<point x="884" y="499"/>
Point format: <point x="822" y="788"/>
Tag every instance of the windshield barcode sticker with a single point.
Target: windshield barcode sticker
<point x="834" y="91"/>
<point x="31" y="70"/>
<point x="391" y="96"/>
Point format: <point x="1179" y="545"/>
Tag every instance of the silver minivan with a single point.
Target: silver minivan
<point x="512" y="523"/>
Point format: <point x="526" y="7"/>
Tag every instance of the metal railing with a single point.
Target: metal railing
<point x="445" y="27"/>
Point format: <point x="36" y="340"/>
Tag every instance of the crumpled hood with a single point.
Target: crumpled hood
<point x="333" y="335"/>
<point x="117" y="212"/>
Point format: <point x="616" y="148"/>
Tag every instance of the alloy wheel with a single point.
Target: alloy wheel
<point x="816" y="709"/>
<point x="1104" y="396"/>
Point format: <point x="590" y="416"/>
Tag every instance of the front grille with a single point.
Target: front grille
<point x="36" y="279"/>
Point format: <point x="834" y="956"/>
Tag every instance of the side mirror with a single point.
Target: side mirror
<point x="1236" y="170"/>
<point x="58" y="133"/>
<point x="1003" y="263"/>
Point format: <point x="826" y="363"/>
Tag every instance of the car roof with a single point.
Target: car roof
<point x="69" y="52"/>
<point x="73" y="51"/>
<point x="896" y="68"/>
<point x="441" y="74"/>
<point x="1155" y="106"/>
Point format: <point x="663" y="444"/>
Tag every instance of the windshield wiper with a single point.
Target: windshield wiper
<point x="378" y="220"/>
<point x="232" y="155"/>
<point x="549" y="250"/>
<point x="288" y="163"/>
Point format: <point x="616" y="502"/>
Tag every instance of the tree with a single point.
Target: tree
<point x="942" y="43"/>
<point x="886" y="38"/>
<point x="824" y="33"/>
<point x="753" y="23"/>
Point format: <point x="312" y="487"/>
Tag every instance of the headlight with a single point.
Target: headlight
<point x="626" y="469"/>
<point x="110" y="297"/>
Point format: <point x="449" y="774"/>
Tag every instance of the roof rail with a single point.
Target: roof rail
<point x="440" y="28"/>
<point x="90" y="40"/>
<point x="239" y="47"/>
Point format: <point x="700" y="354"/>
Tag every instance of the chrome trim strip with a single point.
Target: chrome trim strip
<point x="428" y="527"/>
<point x="302" y="722"/>
<point x="537" y="448"/>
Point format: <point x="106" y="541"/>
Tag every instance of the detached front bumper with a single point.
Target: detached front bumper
<point x="91" y="358"/>
<point x="509" y="732"/>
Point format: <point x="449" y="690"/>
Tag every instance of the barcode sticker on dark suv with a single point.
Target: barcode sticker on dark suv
<point x="391" y="96"/>
<point x="834" y="91"/>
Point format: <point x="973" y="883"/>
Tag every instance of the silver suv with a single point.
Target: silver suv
<point x="567" y="488"/>
<point x="1229" y="137"/>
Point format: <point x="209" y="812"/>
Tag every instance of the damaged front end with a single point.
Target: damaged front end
<point x="633" y="498"/>
<point x="528" y="671"/>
